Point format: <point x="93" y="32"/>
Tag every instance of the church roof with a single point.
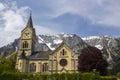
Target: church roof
<point x="42" y="55"/>
<point x="62" y="44"/>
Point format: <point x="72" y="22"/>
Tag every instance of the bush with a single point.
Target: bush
<point x="12" y="76"/>
<point x="108" y="78"/>
<point x="75" y="76"/>
<point x="61" y="76"/>
<point x="118" y="75"/>
<point x="91" y="76"/>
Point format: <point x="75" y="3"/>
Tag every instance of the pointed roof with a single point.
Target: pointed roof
<point x="62" y="44"/>
<point x="29" y="23"/>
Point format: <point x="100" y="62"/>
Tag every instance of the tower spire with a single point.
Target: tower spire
<point x="29" y="23"/>
<point x="30" y="13"/>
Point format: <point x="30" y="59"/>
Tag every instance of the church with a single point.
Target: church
<point x="62" y="59"/>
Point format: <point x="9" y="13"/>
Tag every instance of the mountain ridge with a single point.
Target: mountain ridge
<point x="110" y="46"/>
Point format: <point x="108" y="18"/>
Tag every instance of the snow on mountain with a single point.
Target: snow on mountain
<point x="40" y="40"/>
<point x="49" y="45"/>
<point x="99" y="46"/>
<point x="109" y="46"/>
<point x="91" y="37"/>
<point x="97" y="41"/>
<point x="65" y="35"/>
<point x="57" y="41"/>
<point x="53" y="41"/>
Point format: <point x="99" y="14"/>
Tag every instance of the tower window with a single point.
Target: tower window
<point x="25" y="44"/>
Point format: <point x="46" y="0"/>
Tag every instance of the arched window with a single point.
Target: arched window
<point x="32" y="67"/>
<point x="63" y="52"/>
<point x="25" y="44"/>
<point x="20" y="64"/>
<point x="45" y="67"/>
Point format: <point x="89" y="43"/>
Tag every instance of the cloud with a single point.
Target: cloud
<point x="13" y="20"/>
<point x="99" y="12"/>
<point x="1" y="6"/>
<point x="44" y="30"/>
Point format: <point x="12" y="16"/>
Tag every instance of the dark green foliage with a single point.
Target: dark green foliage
<point x="62" y="76"/>
<point x="8" y="72"/>
<point x="108" y="78"/>
<point x="116" y="68"/>
<point x="118" y="75"/>
<point x="12" y="76"/>
<point x="91" y="59"/>
<point x="8" y="64"/>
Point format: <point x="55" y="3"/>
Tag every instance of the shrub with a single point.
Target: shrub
<point x="108" y="78"/>
<point x="90" y="76"/>
<point x="13" y="76"/>
<point x="61" y="76"/>
<point x="118" y="75"/>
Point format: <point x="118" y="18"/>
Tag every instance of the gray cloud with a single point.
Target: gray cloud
<point x="13" y="20"/>
<point x="104" y="12"/>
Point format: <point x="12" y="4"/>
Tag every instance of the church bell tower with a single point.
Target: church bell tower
<point x="27" y="39"/>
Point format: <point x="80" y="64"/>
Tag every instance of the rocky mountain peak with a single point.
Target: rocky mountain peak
<point x="53" y="41"/>
<point x="110" y="46"/>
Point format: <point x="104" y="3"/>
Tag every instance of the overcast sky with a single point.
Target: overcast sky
<point x="81" y="17"/>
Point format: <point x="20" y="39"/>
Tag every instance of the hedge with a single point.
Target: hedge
<point x="62" y="76"/>
<point x="108" y="78"/>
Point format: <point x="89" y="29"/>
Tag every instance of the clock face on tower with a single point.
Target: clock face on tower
<point x="26" y="34"/>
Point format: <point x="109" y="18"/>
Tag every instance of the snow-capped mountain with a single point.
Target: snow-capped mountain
<point x="110" y="46"/>
<point x="54" y="41"/>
